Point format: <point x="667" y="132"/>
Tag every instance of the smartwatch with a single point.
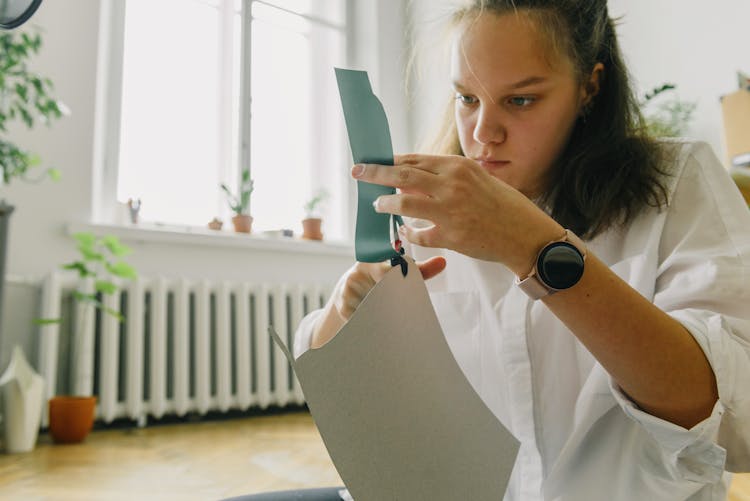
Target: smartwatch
<point x="558" y="266"/>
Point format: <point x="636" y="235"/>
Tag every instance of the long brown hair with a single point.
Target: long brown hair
<point x="611" y="169"/>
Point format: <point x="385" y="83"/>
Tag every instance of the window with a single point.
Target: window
<point x="185" y="125"/>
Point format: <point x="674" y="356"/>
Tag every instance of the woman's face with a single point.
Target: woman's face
<point x="516" y="103"/>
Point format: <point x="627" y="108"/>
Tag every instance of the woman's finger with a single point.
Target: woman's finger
<point x="429" y="163"/>
<point x="407" y="204"/>
<point x="404" y="177"/>
<point x="424" y="237"/>
<point x="432" y="267"/>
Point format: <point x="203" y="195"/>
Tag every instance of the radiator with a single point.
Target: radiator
<point x="184" y="346"/>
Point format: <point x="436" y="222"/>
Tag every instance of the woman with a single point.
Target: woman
<point x="618" y="356"/>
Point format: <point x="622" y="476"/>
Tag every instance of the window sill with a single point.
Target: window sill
<point x="194" y="235"/>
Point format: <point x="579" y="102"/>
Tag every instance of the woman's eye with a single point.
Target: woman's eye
<point x="521" y="101"/>
<point x="464" y="99"/>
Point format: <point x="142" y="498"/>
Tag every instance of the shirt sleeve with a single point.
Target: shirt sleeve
<point x="303" y="335"/>
<point x="690" y="454"/>
<point x="702" y="277"/>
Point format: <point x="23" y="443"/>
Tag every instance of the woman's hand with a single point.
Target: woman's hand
<point x="352" y="288"/>
<point x="472" y="212"/>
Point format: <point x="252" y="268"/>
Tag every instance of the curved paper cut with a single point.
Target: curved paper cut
<point x="395" y="411"/>
<point x="370" y="141"/>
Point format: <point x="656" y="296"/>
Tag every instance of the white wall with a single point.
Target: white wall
<point x="697" y="45"/>
<point x="430" y="84"/>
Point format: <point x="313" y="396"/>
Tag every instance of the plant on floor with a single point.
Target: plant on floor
<point x="666" y="118"/>
<point x="100" y="264"/>
<point x="101" y="261"/>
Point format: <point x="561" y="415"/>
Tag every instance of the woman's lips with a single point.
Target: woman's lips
<point x="493" y="164"/>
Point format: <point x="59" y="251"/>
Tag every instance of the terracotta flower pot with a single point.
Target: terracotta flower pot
<point x="242" y="223"/>
<point x="71" y="418"/>
<point x="311" y="228"/>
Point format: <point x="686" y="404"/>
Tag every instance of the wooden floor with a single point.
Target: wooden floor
<point x="206" y="460"/>
<point x="203" y="461"/>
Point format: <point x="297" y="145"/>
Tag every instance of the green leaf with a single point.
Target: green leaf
<point x="54" y="174"/>
<point x="33" y="159"/>
<point x="23" y="92"/>
<point x="38" y="86"/>
<point x="85" y="239"/>
<point x="234" y="204"/>
<point x="85" y="298"/>
<point x="26" y="117"/>
<point x="80" y="267"/>
<point x="105" y="287"/>
<point x="122" y="269"/>
<point x="245" y="202"/>
<point x="112" y="312"/>
<point x="226" y="190"/>
<point x="112" y="243"/>
<point x="90" y="254"/>
<point x="47" y="321"/>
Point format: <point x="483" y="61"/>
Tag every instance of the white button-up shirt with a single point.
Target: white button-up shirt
<point x="581" y="437"/>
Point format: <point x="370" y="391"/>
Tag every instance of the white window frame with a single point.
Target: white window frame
<point x="370" y="45"/>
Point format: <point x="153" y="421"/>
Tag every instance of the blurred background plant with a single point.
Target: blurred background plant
<point x="313" y="205"/>
<point x="665" y="113"/>
<point x="25" y="98"/>
<point x="240" y="202"/>
<point x="100" y="259"/>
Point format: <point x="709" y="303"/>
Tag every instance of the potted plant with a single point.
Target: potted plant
<point x="215" y="224"/>
<point x="666" y="118"/>
<point x="311" y="225"/>
<point x="240" y="203"/>
<point x="71" y="417"/>
<point x="24" y="100"/>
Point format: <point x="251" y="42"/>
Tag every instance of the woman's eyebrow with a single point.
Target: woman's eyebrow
<point x="526" y="82"/>
<point x="458" y="86"/>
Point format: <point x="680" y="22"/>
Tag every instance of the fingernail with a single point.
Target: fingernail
<point x="375" y="204"/>
<point x="357" y="170"/>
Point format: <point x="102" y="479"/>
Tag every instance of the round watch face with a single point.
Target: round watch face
<point x="560" y="265"/>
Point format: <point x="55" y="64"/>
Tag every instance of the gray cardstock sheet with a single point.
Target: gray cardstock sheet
<point x="395" y="411"/>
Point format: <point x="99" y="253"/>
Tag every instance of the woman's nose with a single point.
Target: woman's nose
<point x="490" y="127"/>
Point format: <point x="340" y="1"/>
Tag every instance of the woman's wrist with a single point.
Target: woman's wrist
<point x="326" y="327"/>
<point x="530" y="242"/>
<point x="329" y="322"/>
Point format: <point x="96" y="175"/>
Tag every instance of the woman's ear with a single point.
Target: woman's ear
<point x="592" y="86"/>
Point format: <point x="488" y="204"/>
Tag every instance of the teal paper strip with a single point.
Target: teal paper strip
<point x="370" y="141"/>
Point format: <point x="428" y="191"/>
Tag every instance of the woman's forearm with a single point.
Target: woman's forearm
<point x="653" y="357"/>
<point x="327" y="326"/>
